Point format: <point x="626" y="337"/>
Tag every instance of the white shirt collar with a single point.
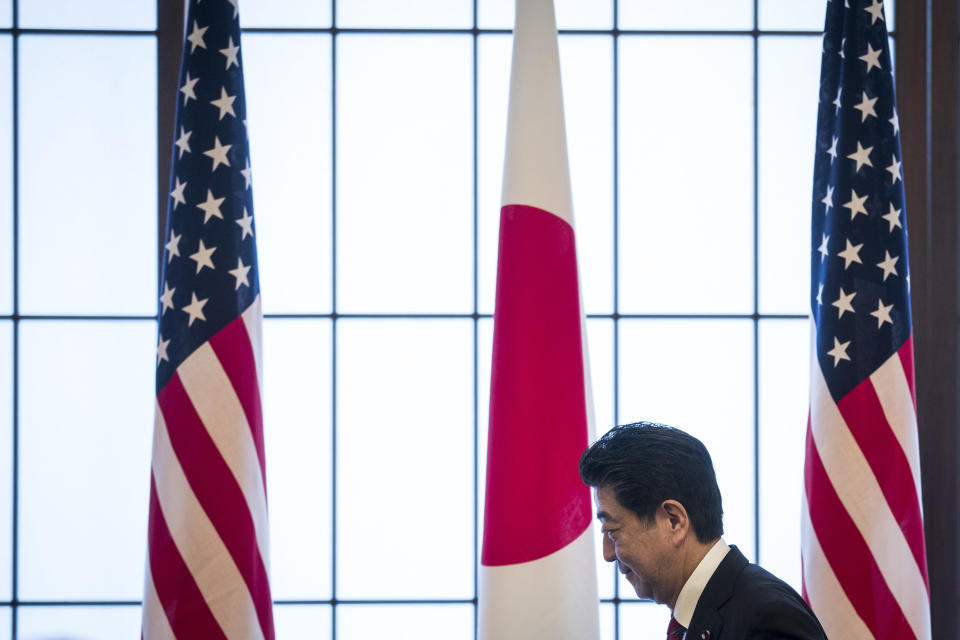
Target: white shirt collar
<point x="695" y="584"/>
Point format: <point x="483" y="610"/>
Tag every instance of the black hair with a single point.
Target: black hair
<point x="645" y="463"/>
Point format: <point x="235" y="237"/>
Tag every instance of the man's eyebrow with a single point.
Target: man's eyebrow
<point x="603" y="515"/>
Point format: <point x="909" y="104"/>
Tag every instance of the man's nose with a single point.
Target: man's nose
<point x="608" y="553"/>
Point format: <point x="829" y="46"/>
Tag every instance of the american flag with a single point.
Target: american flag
<point x="864" y="561"/>
<point x="208" y="547"/>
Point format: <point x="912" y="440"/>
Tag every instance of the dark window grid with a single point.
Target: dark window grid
<point x="334" y="316"/>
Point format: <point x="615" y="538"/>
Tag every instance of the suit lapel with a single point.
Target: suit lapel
<point x="707" y="621"/>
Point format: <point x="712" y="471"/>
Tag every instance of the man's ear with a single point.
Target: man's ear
<point x="677" y="519"/>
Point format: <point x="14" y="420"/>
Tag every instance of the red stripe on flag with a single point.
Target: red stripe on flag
<point x="863" y="413"/>
<point x="848" y="554"/>
<point x="906" y="359"/>
<point x="182" y="602"/>
<point x="218" y="493"/>
<point x="535" y="501"/>
<point x="234" y="350"/>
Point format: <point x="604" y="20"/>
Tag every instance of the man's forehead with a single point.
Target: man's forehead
<point x="607" y="504"/>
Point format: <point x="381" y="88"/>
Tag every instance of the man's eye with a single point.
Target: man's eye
<point x="610" y="533"/>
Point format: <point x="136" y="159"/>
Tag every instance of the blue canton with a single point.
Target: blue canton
<point x="860" y="285"/>
<point x="210" y="271"/>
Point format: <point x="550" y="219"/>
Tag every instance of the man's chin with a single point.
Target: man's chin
<point x="642" y="589"/>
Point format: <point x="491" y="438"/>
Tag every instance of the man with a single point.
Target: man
<point x="661" y="514"/>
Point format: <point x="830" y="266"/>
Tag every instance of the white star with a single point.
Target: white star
<point x="246" y="174"/>
<point x="183" y="142"/>
<point x="865" y="107"/>
<point x="202" y="257"/>
<point x="832" y="151"/>
<point x="162" y="350"/>
<point x="893" y="218"/>
<point x="839" y="351"/>
<point x="177" y="193"/>
<point x="234" y="3"/>
<point x="843" y="303"/>
<point x="882" y="314"/>
<point x="187" y="89"/>
<point x="836" y="100"/>
<point x="211" y="208"/>
<point x="240" y="273"/>
<point x="231" y="53"/>
<point x="225" y="103"/>
<point x="888" y="265"/>
<point x="872" y="57"/>
<point x="828" y="200"/>
<point x="196" y="37"/>
<point x="894" y="170"/>
<point x="195" y="309"/>
<point x="167" y="298"/>
<point x="861" y="156"/>
<point x="219" y="153"/>
<point x="246" y="223"/>
<point x="856" y="204"/>
<point x="173" y="247"/>
<point x="895" y="121"/>
<point x="850" y="254"/>
<point x="820" y="295"/>
<point x="823" y="247"/>
<point x="875" y="10"/>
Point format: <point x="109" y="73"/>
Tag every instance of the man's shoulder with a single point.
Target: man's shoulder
<point x="750" y="602"/>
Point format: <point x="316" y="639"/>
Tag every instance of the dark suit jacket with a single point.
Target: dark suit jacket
<point x="742" y="600"/>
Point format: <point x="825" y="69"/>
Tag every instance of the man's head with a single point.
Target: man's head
<point x="658" y="500"/>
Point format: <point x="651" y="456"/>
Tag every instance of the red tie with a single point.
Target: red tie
<point x="675" y="630"/>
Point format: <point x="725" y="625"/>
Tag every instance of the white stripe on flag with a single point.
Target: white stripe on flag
<point x="552" y="597"/>
<point x="155" y="623"/>
<point x="827" y="597"/>
<point x="857" y="488"/>
<point x="218" y="406"/>
<point x="253" y="321"/>
<point x="201" y="548"/>
<point x="893" y="390"/>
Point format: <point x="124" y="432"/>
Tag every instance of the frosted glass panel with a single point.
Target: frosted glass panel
<point x="405" y="466"/>
<point x="643" y="621"/>
<point x="405" y="13"/>
<point x="86" y="424"/>
<point x="6" y="176"/>
<point x="780" y="15"/>
<point x="686" y="175"/>
<point x="586" y="65"/>
<point x="411" y="622"/>
<point x="6" y="457"/>
<point x="284" y="13"/>
<point x="88" y="175"/>
<point x="789" y="89"/>
<point x="404" y="174"/>
<point x="784" y="383"/>
<point x="493" y="89"/>
<point x="302" y="622"/>
<point x="570" y="14"/>
<point x="297" y="414"/>
<point x="290" y="155"/>
<point x="78" y="623"/>
<point x="691" y="14"/>
<point x="698" y="375"/>
<point x="89" y="14"/>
